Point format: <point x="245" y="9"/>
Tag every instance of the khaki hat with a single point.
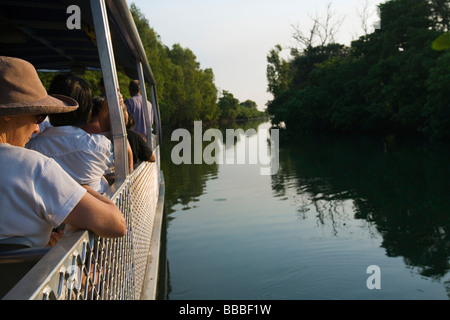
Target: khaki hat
<point x="22" y="92"/>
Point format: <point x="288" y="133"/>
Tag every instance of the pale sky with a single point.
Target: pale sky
<point x="234" y="37"/>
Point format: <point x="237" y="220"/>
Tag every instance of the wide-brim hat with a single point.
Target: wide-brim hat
<point x="22" y="92"/>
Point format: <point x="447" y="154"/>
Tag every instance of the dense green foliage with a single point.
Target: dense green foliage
<point x="231" y="108"/>
<point x="186" y="92"/>
<point x="389" y="81"/>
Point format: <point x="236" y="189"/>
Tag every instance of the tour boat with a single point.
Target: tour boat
<point x="74" y="36"/>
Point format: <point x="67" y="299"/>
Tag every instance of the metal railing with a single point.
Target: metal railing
<point x="83" y="266"/>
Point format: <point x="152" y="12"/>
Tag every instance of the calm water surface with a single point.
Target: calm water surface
<point x="336" y="206"/>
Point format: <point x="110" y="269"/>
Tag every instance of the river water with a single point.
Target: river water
<point x="343" y="218"/>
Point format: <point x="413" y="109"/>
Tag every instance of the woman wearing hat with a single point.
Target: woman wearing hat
<point x="36" y="194"/>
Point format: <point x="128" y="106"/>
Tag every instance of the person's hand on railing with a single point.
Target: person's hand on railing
<point x="54" y="238"/>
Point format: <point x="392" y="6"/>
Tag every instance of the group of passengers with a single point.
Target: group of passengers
<point x="54" y="173"/>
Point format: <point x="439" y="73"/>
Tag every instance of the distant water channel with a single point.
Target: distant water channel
<point x="337" y="206"/>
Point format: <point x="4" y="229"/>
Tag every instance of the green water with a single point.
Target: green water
<point x="336" y="206"/>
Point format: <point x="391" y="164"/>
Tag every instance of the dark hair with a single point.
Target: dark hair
<point x="97" y="105"/>
<point x="131" y="123"/>
<point x="78" y="89"/>
<point x="134" y="87"/>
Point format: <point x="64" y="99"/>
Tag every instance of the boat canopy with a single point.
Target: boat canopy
<point x="78" y="35"/>
<point x="38" y="31"/>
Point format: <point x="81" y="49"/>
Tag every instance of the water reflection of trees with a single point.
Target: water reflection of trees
<point x="186" y="183"/>
<point x="401" y="188"/>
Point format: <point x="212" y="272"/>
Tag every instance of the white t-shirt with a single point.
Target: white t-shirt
<point x="36" y="195"/>
<point x="84" y="156"/>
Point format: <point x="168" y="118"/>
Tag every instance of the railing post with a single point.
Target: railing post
<point x="157" y="115"/>
<point x="147" y="114"/>
<point x="108" y="65"/>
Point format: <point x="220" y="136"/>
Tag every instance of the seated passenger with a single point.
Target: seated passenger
<point x="86" y="157"/>
<point x="36" y="194"/>
<point x="104" y="123"/>
<point x="93" y="126"/>
<point x="141" y="150"/>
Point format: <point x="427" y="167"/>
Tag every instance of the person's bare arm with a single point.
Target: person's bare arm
<point x="130" y="157"/>
<point x="99" y="214"/>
